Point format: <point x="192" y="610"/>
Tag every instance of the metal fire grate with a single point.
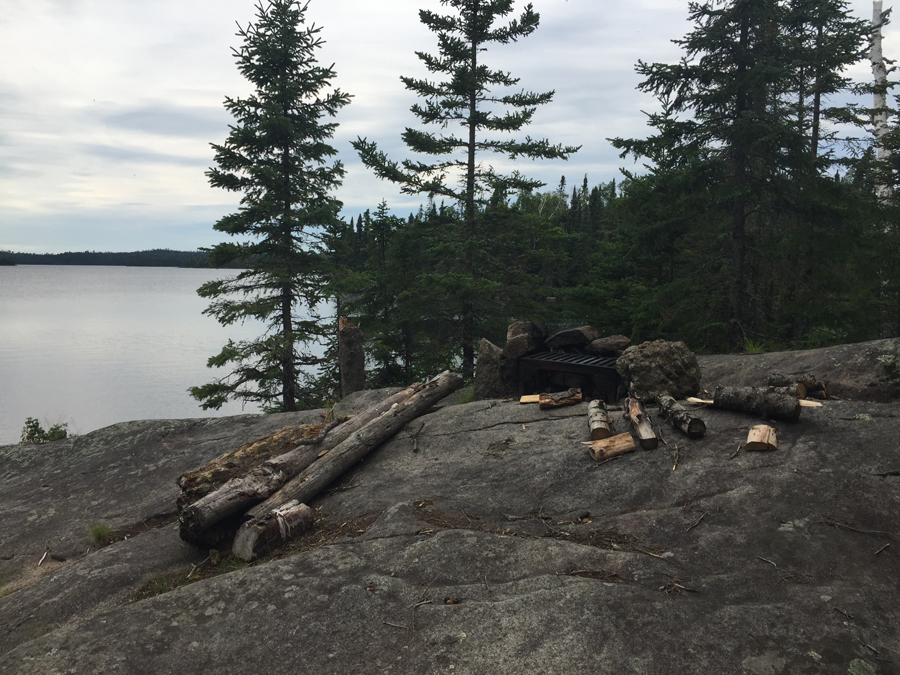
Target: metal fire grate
<point x="598" y="375"/>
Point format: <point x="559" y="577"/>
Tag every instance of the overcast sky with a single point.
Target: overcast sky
<point x="108" y="107"/>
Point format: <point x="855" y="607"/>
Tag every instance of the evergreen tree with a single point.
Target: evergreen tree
<point x="466" y="98"/>
<point x="277" y="155"/>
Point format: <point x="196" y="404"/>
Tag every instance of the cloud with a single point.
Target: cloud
<point x="164" y="119"/>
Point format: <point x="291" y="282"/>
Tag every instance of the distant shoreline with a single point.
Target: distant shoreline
<point x="150" y="258"/>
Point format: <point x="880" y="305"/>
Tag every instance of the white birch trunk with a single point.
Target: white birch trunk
<point x="880" y="116"/>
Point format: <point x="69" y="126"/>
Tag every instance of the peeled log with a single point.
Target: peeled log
<point x="760" y="402"/>
<point x="680" y="417"/>
<point x="598" y="420"/>
<point x="276" y="527"/>
<point x="640" y="420"/>
<point x="608" y="448"/>
<point x="317" y="477"/>
<point x="239" y="493"/>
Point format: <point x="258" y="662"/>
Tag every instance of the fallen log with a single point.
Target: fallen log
<point x="815" y="388"/>
<point x="640" y="420"/>
<point x="598" y="420"/>
<point x="241" y="492"/>
<point x="761" y="437"/>
<point x="276" y="527"/>
<point x="200" y="482"/>
<point x="559" y="399"/>
<point x="318" y="476"/>
<point x="607" y="448"/>
<point x="758" y="402"/>
<point x="680" y="417"/>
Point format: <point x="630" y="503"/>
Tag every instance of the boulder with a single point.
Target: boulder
<point x="572" y="337"/>
<point x="660" y="367"/>
<point x="612" y="345"/>
<point x="523" y="337"/>
<point x="488" y="377"/>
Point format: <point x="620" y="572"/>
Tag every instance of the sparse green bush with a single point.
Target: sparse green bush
<point x="33" y="432"/>
<point x="100" y="534"/>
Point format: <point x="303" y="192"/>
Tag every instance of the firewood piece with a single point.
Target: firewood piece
<point x="680" y="417"/>
<point x="530" y="398"/>
<point x="315" y="478"/>
<point x="815" y="388"/>
<point x="559" y="399"/>
<point x="761" y="437"/>
<point x="759" y="402"/>
<point x="804" y="403"/>
<point x="608" y="448"/>
<point x="640" y="420"/>
<point x="598" y="420"/>
<point x="700" y="401"/>
<point x="276" y="527"/>
<point x="240" y="492"/>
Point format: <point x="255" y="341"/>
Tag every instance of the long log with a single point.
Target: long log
<point x="640" y="420"/>
<point x="242" y="492"/>
<point x="680" y="417"/>
<point x="598" y="420"/>
<point x="318" y="476"/>
<point x="276" y="527"/>
<point x="758" y="402"/>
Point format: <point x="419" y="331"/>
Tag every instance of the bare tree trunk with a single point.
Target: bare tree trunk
<point x="351" y="357"/>
<point x="880" y="116"/>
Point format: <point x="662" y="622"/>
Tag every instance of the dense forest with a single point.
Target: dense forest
<point x="151" y="258"/>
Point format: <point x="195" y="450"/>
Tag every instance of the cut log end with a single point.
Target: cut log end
<point x="273" y="529"/>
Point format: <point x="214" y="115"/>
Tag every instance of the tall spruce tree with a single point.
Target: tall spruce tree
<point x="277" y="155"/>
<point x="466" y="97"/>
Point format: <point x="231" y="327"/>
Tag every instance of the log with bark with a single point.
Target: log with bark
<point x="608" y="448"/>
<point x="200" y="482"/>
<point x="761" y="437"/>
<point x="241" y="492"/>
<point x="276" y="527"/>
<point x="815" y="388"/>
<point x="312" y="480"/>
<point x="636" y="414"/>
<point x="559" y="399"/>
<point x="598" y="420"/>
<point x="680" y="417"/>
<point x="759" y="402"/>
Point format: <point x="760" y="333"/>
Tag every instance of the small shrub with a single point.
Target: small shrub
<point x="34" y="433"/>
<point x="751" y="347"/>
<point x="100" y="534"/>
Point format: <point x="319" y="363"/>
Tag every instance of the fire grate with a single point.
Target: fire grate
<point x="596" y="376"/>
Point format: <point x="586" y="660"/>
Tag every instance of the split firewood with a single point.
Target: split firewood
<point x="815" y="388"/>
<point x="559" y="399"/>
<point x="640" y="420"/>
<point x="761" y="437"/>
<point x="598" y="420"/>
<point x="276" y="527"/>
<point x="608" y="448"/>
<point x="530" y="398"/>
<point x="759" y="402"/>
<point x="241" y="492"/>
<point x="680" y="417"/>
<point x="315" y="478"/>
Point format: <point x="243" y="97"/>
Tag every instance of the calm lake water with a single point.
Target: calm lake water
<point x="92" y="346"/>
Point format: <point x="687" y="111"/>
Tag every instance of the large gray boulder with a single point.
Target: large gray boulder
<point x="484" y="538"/>
<point x="660" y="367"/>
<point x="523" y="337"/>
<point x="572" y="337"/>
<point x="608" y="346"/>
<point x="488" y="376"/>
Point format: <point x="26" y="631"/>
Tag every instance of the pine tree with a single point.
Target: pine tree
<point x="277" y="155"/>
<point x="466" y="98"/>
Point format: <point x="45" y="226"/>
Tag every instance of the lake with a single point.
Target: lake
<point x="92" y="346"/>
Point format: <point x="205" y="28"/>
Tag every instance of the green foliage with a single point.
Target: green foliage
<point x="34" y="433"/>
<point x="277" y="156"/>
<point x="100" y="534"/>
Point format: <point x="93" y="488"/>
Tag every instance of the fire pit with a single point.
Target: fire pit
<point x="596" y="376"/>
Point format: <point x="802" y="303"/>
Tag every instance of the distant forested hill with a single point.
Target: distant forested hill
<point x="154" y="258"/>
